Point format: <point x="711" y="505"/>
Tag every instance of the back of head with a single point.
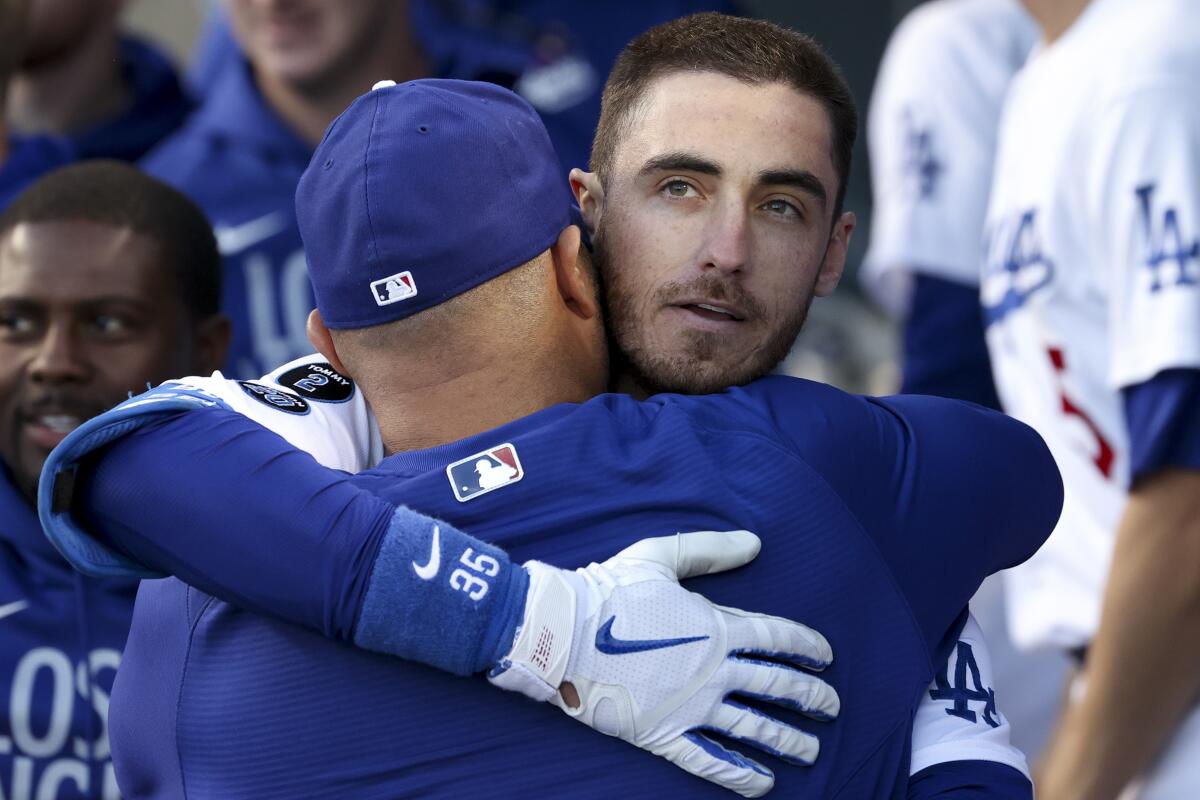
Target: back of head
<point x="117" y="194"/>
<point x="436" y="223"/>
<point x="426" y="214"/>
<point x="749" y="50"/>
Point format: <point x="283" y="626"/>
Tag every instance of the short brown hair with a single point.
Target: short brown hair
<point x="748" y="50"/>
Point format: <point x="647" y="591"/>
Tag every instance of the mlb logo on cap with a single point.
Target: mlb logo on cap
<point x="394" y="288"/>
<point x="484" y="472"/>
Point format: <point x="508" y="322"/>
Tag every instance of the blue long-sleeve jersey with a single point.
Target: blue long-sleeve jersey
<point x="879" y="520"/>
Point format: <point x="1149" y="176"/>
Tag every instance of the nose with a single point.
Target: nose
<point x="727" y="242"/>
<point x="58" y="359"/>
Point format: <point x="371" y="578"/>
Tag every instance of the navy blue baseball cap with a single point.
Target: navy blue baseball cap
<point x="423" y="190"/>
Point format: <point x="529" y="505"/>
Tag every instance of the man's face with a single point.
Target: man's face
<point x="87" y="315"/>
<point x="715" y="230"/>
<point x="308" y="42"/>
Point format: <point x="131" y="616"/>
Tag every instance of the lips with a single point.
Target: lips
<point x="714" y="311"/>
<point x="48" y="429"/>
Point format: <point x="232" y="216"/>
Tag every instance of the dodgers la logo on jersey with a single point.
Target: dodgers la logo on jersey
<point x="1165" y="245"/>
<point x="394" y="288"/>
<point x="921" y="165"/>
<point x="485" y="472"/>
<point x="1016" y="268"/>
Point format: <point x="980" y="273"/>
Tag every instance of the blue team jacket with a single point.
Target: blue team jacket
<point x="879" y="519"/>
<point x="61" y="637"/>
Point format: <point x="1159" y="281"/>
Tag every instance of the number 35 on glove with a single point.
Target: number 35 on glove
<point x="656" y="665"/>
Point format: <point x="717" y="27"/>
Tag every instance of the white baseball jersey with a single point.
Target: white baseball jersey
<point x="932" y="134"/>
<point x="323" y="413"/>
<point x="1091" y="276"/>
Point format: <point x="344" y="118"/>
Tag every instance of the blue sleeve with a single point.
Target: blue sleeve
<point x="267" y="528"/>
<point x="1162" y="416"/>
<point x="970" y="780"/>
<point x="945" y="353"/>
<point x="950" y="492"/>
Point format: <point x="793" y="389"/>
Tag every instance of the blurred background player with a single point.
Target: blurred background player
<point x="1091" y="295"/>
<point x="110" y="94"/>
<point x="298" y="64"/>
<point x="932" y="135"/>
<point x="108" y="280"/>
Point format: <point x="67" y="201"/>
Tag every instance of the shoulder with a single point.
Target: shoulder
<point x="968" y="34"/>
<point x="178" y="158"/>
<point x="812" y="421"/>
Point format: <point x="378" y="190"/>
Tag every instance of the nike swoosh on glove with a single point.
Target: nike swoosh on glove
<point x="656" y="665"/>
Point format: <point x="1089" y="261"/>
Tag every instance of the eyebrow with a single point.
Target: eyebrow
<point x="800" y="179"/>
<point x="681" y="162"/>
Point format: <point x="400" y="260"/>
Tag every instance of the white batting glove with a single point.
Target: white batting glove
<point x="655" y="664"/>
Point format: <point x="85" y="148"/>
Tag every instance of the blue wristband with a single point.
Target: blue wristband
<point x="441" y="597"/>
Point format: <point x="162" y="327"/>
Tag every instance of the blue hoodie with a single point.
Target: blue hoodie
<point x="61" y="638"/>
<point x="158" y="107"/>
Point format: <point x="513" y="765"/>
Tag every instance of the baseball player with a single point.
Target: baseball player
<point x="108" y="279"/>
<point x="871" y="757"/>
<point x="1091" y="293"/>
<point x="932" y="136"/>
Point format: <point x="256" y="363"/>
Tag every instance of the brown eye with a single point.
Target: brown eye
<point x="110" y="324"/>
<point x="13" y="324"/>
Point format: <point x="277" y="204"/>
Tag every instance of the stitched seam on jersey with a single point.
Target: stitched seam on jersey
<point x="187" y="659"/>
<point x="773" y="444"/>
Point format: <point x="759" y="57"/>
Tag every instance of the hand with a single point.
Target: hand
<point x="656" y="665"/>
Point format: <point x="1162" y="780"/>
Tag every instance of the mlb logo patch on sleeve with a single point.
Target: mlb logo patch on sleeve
<point x="484" y="472"/>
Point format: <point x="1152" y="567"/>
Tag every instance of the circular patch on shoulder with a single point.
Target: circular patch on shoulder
<point x="318" y="381"/>
<point x="275" y="398"/>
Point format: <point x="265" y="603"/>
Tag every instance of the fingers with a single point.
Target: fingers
<point x="696" y="753"/>
<point x="787" y="687"/>
<point x="699" y="553"/>
<point x="757" y="729"/>
<point x="776" y="638"/>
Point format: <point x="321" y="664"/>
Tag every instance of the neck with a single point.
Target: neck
<point x="1055" y="17"/>
<point x="73" y="93"/>
<point x="625" y="382"/>
<point x="418" y="417"/>
<point x="309" y="109"/>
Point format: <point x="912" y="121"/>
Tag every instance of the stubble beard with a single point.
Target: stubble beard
<point x="700" y="366"/>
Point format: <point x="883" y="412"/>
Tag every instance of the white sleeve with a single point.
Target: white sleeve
<point x="311" y="406"/>
<point x="1145" y="210"/>
<point x="958" y="719"/>
<point x="932" y="138"/>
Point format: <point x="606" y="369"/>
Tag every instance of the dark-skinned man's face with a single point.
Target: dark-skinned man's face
<point x="88" y="314"/>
